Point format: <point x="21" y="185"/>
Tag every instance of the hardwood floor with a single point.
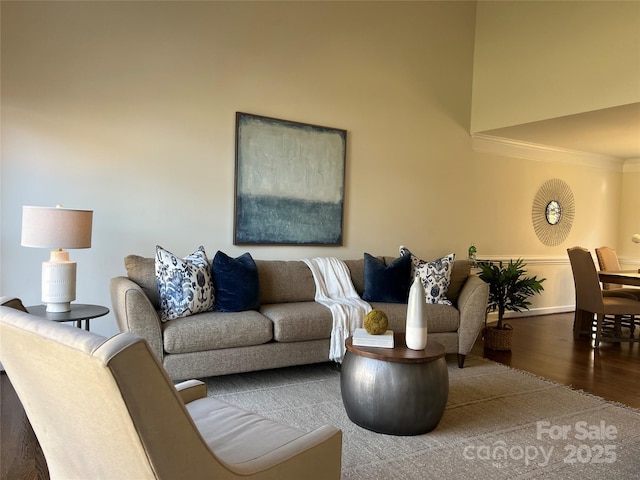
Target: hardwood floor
<point x="544" y="346"/>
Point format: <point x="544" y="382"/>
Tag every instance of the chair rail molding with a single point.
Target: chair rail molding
<point x="631" y="165"/>
<point x="629" y="260"/>
<point x="530" y="259"/>
<point x="549" y="259"/>
<point x="544" y="153"/>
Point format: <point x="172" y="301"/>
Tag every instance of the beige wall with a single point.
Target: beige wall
<point x="630" y="213"/>
<point x="129" y="108"/>
<point x="537" y="60"/>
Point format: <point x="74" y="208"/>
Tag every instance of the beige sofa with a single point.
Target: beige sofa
<point x="290" y="328"/>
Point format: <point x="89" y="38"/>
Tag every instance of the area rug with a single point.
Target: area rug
<point x="500" y="423"/>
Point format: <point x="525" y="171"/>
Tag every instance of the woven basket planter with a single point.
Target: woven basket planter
<point x="498" y="339"/>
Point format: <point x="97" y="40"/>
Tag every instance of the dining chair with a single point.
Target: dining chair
<point x="589" y="296"/>
<point x="608" y="260"/>
<point x="104" y="408"/>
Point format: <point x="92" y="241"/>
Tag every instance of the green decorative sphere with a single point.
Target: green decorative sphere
<point x="376" y="322"/>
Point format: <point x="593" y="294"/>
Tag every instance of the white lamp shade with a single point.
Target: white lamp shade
<point x="635" y="238"/>
<point x="56" y="227"/>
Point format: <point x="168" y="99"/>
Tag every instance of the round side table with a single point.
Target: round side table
<point x="396" y="391"/>
<point x="79" y="313"/>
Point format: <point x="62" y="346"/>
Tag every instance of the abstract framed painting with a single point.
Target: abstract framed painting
<point x="289" y="186"/>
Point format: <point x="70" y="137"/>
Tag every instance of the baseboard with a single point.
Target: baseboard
<point x="493" y="316"/>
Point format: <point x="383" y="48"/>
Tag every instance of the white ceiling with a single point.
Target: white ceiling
<point x="612" y="132"/>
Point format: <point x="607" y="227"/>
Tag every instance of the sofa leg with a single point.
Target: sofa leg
<point x="461" y="360"/>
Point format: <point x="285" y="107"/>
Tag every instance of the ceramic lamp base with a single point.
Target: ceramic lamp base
<point x="58" y="282"/>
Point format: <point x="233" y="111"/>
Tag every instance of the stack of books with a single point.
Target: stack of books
<point x="363" y="339"/>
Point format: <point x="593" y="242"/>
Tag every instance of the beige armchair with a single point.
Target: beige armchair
<point x="105" y="409"/>
<point x="12" y="302"/>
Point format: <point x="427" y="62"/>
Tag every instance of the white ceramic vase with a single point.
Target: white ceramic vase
<point x="416" y="333"/>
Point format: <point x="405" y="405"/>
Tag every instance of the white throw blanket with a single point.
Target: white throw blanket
<point x="335" y="290"/>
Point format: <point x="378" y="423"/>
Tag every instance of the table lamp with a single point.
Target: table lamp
<point x="635" y="238"/>
<point x="57" y="228"/>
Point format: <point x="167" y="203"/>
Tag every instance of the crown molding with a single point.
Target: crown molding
<point x="545" y="153"/>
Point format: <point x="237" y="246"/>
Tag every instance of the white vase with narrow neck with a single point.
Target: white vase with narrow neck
<point x="416" y="333"/>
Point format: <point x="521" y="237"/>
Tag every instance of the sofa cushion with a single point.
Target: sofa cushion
<point x="299" y="321"/>
<point x="435" y="275"/>
<point x="216" y="330"/>
<point x="396" y="314"/>
<point x="459" y="273"/>
<point x="142" y="270"/>
<point x="240" y="437"/>
<point x="386" y="282"/>
<point x="285" y="281"/>
<point x="236" y="283"/>
<point x="356" y="268"/>
<point x="440" y="318"/>
<point x="185" y="286"/>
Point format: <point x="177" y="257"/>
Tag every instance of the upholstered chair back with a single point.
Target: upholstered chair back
<point x="585" y="277"/>
<point x="608" y="260"/>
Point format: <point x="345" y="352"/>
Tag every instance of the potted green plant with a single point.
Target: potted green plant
<point x="509" y="290"/>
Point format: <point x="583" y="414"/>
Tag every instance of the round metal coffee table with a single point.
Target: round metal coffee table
<point x="397" y="391"/>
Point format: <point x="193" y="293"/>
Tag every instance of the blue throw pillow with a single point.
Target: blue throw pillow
<point x="236" y="283"/>
<point x="386" y="283"/>
<point x="184" y="284"/>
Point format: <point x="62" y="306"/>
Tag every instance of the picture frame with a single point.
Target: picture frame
<point x="289" y="182"/>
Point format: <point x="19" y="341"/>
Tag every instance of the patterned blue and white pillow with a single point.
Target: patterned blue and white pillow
<point x="435" y="276"/>
<point x="185" y="286"/>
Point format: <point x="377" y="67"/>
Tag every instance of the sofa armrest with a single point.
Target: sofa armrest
<point x="191" y="390"/>
<point x="472" y="304"/>
<point x="135" y="313"/>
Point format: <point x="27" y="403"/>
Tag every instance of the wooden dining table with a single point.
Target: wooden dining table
<point x="622" y="277"/>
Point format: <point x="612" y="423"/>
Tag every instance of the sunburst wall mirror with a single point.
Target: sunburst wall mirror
<point x="553" y="212"/>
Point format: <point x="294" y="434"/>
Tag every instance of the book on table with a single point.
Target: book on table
<point x="363" y="339"/>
